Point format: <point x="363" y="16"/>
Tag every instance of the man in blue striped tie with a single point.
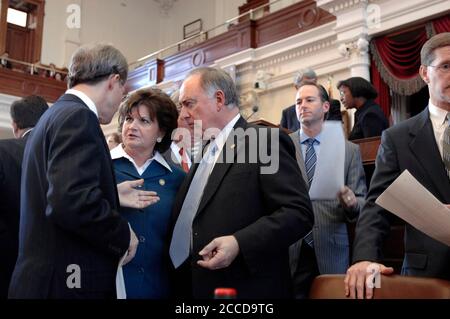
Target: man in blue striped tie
<point x="329" y="236"/>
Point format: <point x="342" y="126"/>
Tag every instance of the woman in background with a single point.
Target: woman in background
<point x="358" y="93"/>
<point x="147" y="119"/>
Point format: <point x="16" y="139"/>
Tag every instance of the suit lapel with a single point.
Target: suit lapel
<point x="427" y="153"/>
<point x="298" y="155"/>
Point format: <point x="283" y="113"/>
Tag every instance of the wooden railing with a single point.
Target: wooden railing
<point x="246" y="34"/>
<point x="22" y="79"/>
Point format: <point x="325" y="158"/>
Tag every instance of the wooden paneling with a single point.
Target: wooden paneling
<point x="369" y="148"/>
<point x="17" y="42"/>
<point x="281" y="24"/>
<point x="149" y="74"/>
<point x="238" y="38"/>
<point x="23" y="84"/>
<point x="289" y="21"/>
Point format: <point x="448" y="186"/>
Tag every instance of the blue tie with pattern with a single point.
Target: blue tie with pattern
<point x="310" y="158"/>
<point x="310" y="166"/>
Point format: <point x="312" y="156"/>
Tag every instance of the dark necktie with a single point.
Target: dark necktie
<point x="446" y="146"/>
<point x="310" y="158"/>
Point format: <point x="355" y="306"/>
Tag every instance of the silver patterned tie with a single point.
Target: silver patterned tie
<point x="182" y="233"/>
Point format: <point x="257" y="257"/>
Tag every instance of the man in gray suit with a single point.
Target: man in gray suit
<point x="329" y="235"/>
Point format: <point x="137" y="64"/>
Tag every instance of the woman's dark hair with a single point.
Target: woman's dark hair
<point x="359" y="87"/>
<point x="159" y="106"/>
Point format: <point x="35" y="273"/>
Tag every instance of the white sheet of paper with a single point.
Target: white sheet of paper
<point x="329" y="173"/>
<point x="413" y="203"/>
<point x="120" y="281"/>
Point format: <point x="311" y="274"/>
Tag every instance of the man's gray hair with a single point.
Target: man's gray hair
<point x="427" y="54"/>
<point x="92" y="64"/>
<point x="304" y="74"/>
<point x="213" y="80"/>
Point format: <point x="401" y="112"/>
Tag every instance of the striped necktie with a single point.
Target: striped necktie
<point x="310" y="158"/>
<point x="446" y="146"/>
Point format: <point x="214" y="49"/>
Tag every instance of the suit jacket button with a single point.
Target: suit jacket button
<point x="142" y="239"/>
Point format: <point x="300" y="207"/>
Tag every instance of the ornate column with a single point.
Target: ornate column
<point x="353" y="20"/>
<point x="358" y="54"/>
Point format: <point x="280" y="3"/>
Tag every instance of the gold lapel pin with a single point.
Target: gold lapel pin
<point x="162" y="182"/>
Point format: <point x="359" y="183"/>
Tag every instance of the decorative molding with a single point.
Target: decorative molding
<point x="165" y="6"/>
<point x="337" y="6"/>
<point x="358" y="47"/>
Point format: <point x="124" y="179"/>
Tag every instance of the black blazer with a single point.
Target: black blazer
<point x="408" y="145"/>
<point x="289" y="119"/>
<point x="68" y="209"/>
<point x="11" y="153"/>
<point x="369" y="121"/>
<point x="265" y="212"/>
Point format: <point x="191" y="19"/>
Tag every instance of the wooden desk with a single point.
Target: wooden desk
<point x="369" y="149"/>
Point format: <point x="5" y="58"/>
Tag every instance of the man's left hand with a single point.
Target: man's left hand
<point x="219" y="253"/>
<point x="130" y="196"/>
<point x="347" y="198"/>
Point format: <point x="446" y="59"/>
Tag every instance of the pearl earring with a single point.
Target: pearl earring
<point x="159" y="139"/>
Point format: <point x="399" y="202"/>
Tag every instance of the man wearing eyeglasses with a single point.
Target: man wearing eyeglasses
<point x="71" y="235"/>
<point x="422" y="146"/>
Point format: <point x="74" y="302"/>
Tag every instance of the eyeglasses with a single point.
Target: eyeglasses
<point x="445" y="68"/>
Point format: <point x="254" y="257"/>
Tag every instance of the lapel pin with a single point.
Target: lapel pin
<point x="162" y="182"/>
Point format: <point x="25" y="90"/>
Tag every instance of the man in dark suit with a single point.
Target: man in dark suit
<point x="290" y="116"/>
<point x="249" y="213"/>
<point x="420" y="145"/>
<point x="25" y="113"/>
<point x="71" y="236"/>
<point x="330" y="237"/>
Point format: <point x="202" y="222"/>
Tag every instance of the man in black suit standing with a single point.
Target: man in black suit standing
<point x="290" y="115"/>
<point x="234" y="216"/>
<point x="422" y="146"/>
<point x="71" y="235"/>
<point x="25" y="113"/>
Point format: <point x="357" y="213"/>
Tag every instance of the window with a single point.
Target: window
<point x="17" y="17"/>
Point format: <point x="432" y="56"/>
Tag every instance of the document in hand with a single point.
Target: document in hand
<point x="329" y="173"/>
<point x="413" y="203"/>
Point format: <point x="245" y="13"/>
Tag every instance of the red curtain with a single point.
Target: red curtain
<point x="401" y="57"/>
<point x="396" y="61"/>
<point x="442" y="24"/>
<point x="384" y="97"/>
